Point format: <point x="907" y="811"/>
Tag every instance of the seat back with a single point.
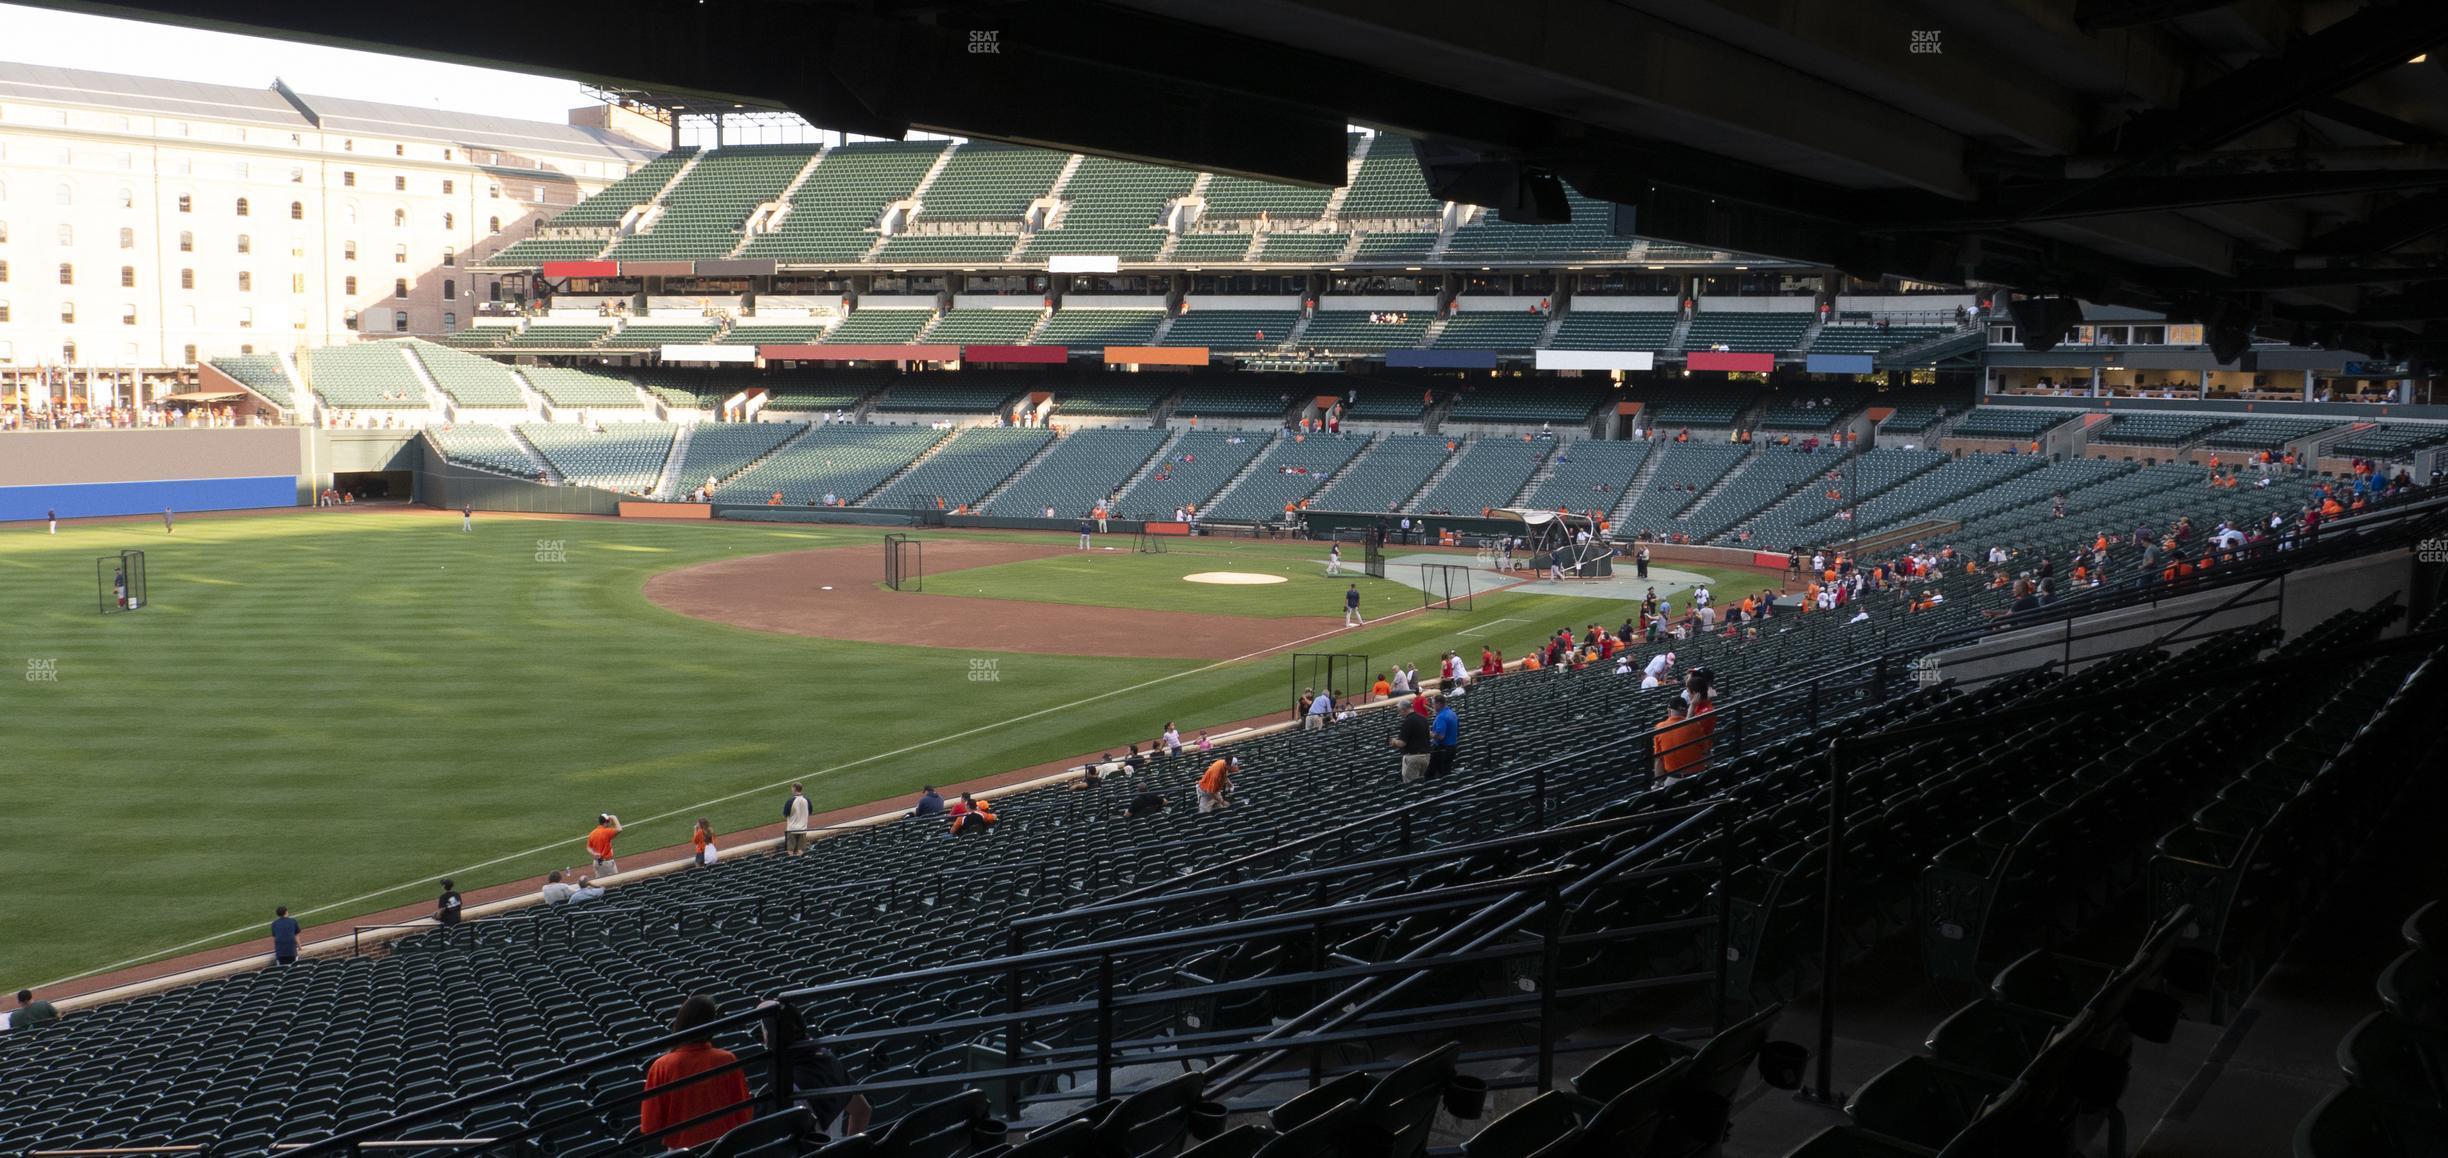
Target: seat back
<point x="1308" y="1104"/>
<point x="1238" y="1142"/>
<point x="1718" y="1067"/>
<point x="1395" y="1116"/>
<point x="937" y="1129"/>
<point x="791" y="1125"/>
<point x="1073" y="1139"/>
<point x="1528" y="1128"/>
<point x="1629" y="1120"/>
<point x="1629" y="1065"/>
<point x="1319" y="1137"/>
<point x="1151" y="1122"/>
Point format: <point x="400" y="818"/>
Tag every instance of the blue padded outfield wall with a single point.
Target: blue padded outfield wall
<point x="85" y="473"/>
<point x="83" y="500"/>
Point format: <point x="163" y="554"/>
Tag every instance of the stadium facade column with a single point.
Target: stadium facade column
<point x="2095" y="381"/>
<point x="2309" y="385"/>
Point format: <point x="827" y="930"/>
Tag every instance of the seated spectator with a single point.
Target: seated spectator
<point x="586" y="890"/>
<point x="1674" y="748"/>
<point x="555" y="890"/>
<point x="1144" y="804"/>
<point x="975" y="816"/>
<point x="929" y="803"/>
<point x="30" y="1012"/>
<point x="671" y="1116"/>
<point x="810" y="1066"/>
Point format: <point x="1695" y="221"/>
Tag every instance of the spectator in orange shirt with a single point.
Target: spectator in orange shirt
<point x="701" y="840"/>
<point x="1381" y="689"/>
<point x="599" y="844"/>
<point x="665" y="1116"/>
<point x="1215" y="784"/>
<point x="1674" y="747"/>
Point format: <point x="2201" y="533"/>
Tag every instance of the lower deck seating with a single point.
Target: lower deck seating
<point x="1489" y="473"/>
<point x="843" y="462"/>
<point x="1293" y="470"/>
<point x="488" y="446"/>
<point x="971" y="463"/>
<point x="718" y="450"/>
<point x="1193" y="469"/>
<point x="620" y="456"/>
<point x="1086" y="467"/>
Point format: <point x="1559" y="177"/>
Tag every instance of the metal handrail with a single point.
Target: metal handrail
<point x="1351" y="1003"/>
<point x="1381" y="864"/>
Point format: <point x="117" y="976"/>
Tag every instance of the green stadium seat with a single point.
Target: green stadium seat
<point x="624" y="456"/>
<point x="1085" y="326"/>
<point x="1484" y="330"/>
<point x="834" y="215"/>
<point x="1610" y="330"/>
<point x="469" y="380"/>
<point x="567" y="387"/>
<point x="614" y="201"/>
<point x="265" y="374"/>
<point x="1746" y="333"/>
<point x="879" y="326"/>
<point x="984" y="326"/>
<point x="1115" y="208"/>
<point x="367" y="376"/>
<point x="704" y="212"/>
<point x="1351" y="330"/>
<point x="1389" y="185"/>
<point x="1232" y="330"/>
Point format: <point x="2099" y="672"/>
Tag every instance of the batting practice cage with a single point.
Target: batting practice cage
<point x="121" y="578"/>
<point x="1549" y="546"/>
<point x="904" y="563"/>
<point x="1445" y="587"/>
<point x="1150" y="543"/>
<point x="1327" y="672"/>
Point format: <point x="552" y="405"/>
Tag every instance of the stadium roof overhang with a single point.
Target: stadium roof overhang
<point x="2271" y="164"/>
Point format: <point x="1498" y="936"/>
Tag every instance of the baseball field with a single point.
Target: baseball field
<point x="332" y="709"/>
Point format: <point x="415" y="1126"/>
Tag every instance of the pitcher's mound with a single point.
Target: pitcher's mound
<point x="1232" y="578"/>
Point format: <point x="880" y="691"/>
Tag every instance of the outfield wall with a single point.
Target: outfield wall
<point x="89" y="473"/>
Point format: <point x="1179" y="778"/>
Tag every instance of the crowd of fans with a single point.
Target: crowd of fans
<point x="71" y="417"/>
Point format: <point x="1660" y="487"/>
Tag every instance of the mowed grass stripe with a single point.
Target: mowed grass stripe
<point x="360" y="700"/>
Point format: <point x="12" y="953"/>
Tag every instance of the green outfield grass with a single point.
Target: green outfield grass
<point x="330" y="709"/>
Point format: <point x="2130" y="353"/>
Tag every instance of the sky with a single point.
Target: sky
<point x="137" y="48"/>
<point x="102" y="44"/>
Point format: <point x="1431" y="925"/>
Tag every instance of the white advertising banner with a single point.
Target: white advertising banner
<point x="1597" y="360"/>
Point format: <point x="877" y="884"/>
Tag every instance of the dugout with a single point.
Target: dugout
<point x="368" y="486"/>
